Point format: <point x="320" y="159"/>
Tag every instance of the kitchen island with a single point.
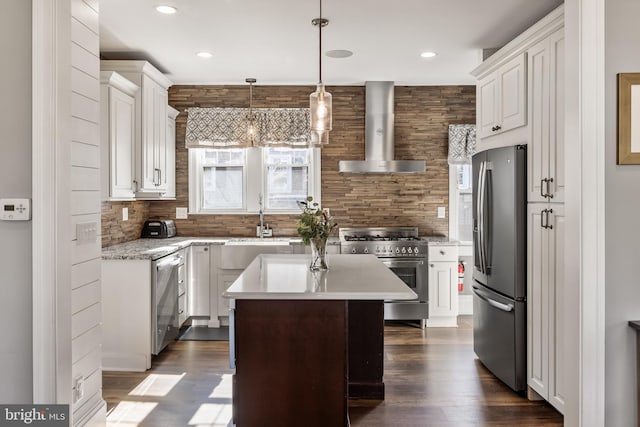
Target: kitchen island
<point x="305" y="342"/>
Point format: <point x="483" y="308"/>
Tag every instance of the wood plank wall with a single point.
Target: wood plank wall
<point x="422" y="116"/>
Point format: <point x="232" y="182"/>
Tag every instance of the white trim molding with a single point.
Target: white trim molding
<point x="584" y="202"/>
<point x="51" y="267"/>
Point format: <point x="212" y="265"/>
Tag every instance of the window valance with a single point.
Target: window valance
<point x="462" y="144"/>
<point x="229" y="127"/>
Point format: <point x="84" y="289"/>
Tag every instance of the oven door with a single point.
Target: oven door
<point x="412" y="271"/>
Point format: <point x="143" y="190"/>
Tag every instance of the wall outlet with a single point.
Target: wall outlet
<point x="182" y="213"/>
<point x="125" y="214"/>
<point x="78" y="388"/>
<point x="441" y="212"/>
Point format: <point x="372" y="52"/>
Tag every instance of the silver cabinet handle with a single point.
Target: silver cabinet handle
<point x="542" y="181"/>
<point x="549" y="181"/>
<point x="549" y="225"/>
<point x="542" y="215"/>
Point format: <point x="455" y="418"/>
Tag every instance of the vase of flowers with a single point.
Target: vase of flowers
<point x="314" y="226"/>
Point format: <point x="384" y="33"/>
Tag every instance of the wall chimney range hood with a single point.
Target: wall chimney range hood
<point x="379" y="146"/>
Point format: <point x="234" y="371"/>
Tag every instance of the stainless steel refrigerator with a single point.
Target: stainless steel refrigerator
<point x="499" y="272"/>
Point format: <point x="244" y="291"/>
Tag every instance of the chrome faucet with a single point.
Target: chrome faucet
<point x="261" y="232"/>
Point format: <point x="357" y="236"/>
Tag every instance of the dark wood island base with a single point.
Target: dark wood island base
<point x="299" y="361"/>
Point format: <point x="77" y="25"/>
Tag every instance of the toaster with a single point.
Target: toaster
<point x="159" y="228"/>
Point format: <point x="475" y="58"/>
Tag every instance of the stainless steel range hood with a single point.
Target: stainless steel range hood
<point x="379" y="149"/>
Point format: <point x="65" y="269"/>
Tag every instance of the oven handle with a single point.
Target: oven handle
<point x="403" y="262"/>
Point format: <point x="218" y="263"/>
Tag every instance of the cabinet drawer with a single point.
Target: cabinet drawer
<point x="443" y="253"/>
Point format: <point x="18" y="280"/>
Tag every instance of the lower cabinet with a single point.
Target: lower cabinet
<point x="199" y="277"/>
<point x="545" y="272"/>
<point x="443" y="286"/>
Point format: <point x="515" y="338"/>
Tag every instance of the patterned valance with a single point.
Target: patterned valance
<point x="462" y="144"/>
<point x="229" y="127"/>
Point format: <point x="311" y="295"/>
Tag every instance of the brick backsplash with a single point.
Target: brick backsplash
<point x="422" y="117"/>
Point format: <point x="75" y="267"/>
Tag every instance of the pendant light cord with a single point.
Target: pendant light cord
<point x="320" y="44"/>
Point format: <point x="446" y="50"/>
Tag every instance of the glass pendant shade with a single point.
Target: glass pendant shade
<point x="321" y="115"/>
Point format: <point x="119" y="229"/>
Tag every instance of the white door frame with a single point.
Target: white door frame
<point x="51" y="264"/>
<point x="584" y="201"/>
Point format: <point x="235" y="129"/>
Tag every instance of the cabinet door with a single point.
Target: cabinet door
<point x="148" y="169"/>
<point x="121" y="144"/>
<point x="556" y="303"/>
<point x="556" y="117"/>
<point x="487" y="115"/>
<point x="161" y="148"/>
<point x="171" y="159"/>
<point x="443" y="289"/>
<point x="198" y="292"/>
<point x="538" y="146"/>
<point x="512" y="91"/>
<point x="537" y="300"/>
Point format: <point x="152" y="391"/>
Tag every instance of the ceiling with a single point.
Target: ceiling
<point x="275" y="42"/>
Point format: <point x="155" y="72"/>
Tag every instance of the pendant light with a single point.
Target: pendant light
<point x="252" y="130"/>
<point x="320" y="100"/>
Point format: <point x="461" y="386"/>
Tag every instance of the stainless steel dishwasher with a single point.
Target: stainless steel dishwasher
<point x="164" y="310"/>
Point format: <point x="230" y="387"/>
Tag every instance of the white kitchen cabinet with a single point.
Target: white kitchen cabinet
<point x="171" y="153"/>
<point x="502" y="98"/>
<point x="443" y="286"/>
<point x="183" y="287"/>
<point x="545" y="272"/>
<point x="153" y="164"/>
<point x="546" y="117"/>
<point x="117" y="136"/>
<point x="199" y="281"/>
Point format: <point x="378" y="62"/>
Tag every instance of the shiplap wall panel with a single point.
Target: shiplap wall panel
<point x="83" y="36"/>
<point x="421" y="129"/>
<point x="85" y="155"/>
<point x="84" y="296"/>
<point x="85" y="84"/>
<point x="85" y="319"/>
<point x="83" y="252"/>
<point x="85" y="132"/>
<point x="85" y="108"/>
<point x="86" y="272"/>
<point x="85" y="207"/>
<point x="86" y="14"/>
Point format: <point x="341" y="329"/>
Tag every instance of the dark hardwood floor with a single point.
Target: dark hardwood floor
<point x="432" y="378"/>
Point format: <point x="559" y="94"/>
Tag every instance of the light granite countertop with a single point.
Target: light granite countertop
<point x="153" y="249"/>
<point x="350" y="277"/>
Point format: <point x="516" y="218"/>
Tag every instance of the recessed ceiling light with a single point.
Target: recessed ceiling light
<point x="339" y="53"/>
<point x="204" y="54"/>
<point x="167" y="10"/>
<point x="428" y="54"/>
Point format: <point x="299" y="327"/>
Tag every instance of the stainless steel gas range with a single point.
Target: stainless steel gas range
<point x="400" y="249"/>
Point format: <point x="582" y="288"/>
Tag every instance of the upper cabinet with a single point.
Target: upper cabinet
<point x="507" y="110"/>
<point x="117" y="136"/>
<point x="502" y="98"/>
<point x="154" y="163"/>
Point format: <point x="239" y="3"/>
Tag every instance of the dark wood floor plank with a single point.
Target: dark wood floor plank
<point x="432" y="378"/>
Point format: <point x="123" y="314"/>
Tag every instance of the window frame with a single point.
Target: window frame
<point x="465" y="247"/>
<point x="254" y="183"/>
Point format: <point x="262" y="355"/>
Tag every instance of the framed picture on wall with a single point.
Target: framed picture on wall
<point x="629" y="119"/>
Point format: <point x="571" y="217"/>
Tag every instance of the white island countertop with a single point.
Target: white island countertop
<point x="350" y="277"/>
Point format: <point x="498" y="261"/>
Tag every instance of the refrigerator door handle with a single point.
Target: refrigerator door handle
<point x="493" y="303"/>
<point x="480" y="210"/>
<point x="486" y="216"/>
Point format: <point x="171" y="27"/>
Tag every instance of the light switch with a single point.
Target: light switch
<point x="182" y="213"/>
<point x="440" y="211"/>
<point x="86" y="232"/>
<point x="125" y="214"/>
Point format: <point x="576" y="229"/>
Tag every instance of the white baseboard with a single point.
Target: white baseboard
<point x="465" y="304"/>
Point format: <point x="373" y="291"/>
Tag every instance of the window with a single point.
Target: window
<point x="460" y="203"/>
<point x="232" y="180"/>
